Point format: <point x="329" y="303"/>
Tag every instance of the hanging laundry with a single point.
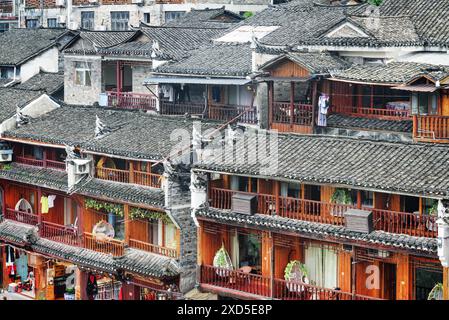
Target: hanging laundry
<point x="44" y="204"/>
<point x="51" y="201"/>
<point x="323" y="106"/>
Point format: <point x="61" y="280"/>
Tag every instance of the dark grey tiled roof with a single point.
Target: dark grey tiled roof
<point x="218" y="59"/>
<point x="320" y="230"/>
<point x="133" y="134"/>
<point x="391" y="73"/>
<point x="315" y="62"/>
<point x="20" y="45"/>
<point x="16" y="232"/>
<point x="133" y="260"/>
<point x="206" y="18"/>
<point x="106" y="39"/>
<point x="175" y="43"/>
<point x="122" y="192"/>
<point x="47" y="178"/>
<point x="148" y="264"/>
<point x="11" y="98"/>
<point x="418" y="169"/>
<point x="43" y="81"/>
<point x="344" y="121"/>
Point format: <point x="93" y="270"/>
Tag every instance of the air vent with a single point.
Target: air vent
<point x="359" y="220"/>
<point x="244" y="203"/>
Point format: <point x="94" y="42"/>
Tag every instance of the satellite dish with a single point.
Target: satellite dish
<point x="103" y="230"/>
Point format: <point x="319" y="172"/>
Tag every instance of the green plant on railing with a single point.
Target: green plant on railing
<point x="341" y="196"/>
<point x="139" y="213"/>
<point x="292" y="268"/>
<point x="107" y="207"/>
<point x="436" y="293"/>
<point x="433" y="210"/>
<point x="6" y="166"/>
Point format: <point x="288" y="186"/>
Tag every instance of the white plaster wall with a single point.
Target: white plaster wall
<point x="47" y="61"/>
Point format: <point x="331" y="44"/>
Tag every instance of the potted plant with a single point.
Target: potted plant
<point x="433" y="212"/>
<point x="436" y="293"/>
<point x="69" y="294"/>
<point x="340" y="196"/>
<point x="222" y="261"/>
<point x="296" y="274"/>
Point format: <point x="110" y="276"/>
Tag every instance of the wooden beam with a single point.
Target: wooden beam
<point x="445" y="283"/>
<point x="127" y="222"/>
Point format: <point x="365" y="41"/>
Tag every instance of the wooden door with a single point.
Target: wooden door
<point x="445" y="104"/>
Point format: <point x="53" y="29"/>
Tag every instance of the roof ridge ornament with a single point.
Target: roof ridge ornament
<point x="21" y="119"/>
<point x="100" y="128"/>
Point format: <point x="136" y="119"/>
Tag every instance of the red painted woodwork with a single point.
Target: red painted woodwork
<point x="125" y="176"/>
<point x="180" y="108"/>
<point x="168" y="252"/>
<point x="109" y="246"/>
<point x="59" y="233"/>
<point x="431" y="127"/>
<point x="372" y="112"/>
<point x="223" y="112"/>
<point x="296" y="113"/>
<point x="131" y="100"/>
<point x="58" y="165"/>
<point x="20" y="216"/>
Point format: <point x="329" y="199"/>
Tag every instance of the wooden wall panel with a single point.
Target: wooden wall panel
<point x="267" y="247"/>
<point x="285" y="127"/>
<point x="288" y="69"/>
<point x="326" y="195"/>
<point x="344" y="271"/>
<point x="341" y="94"/>
<point x="403" y="276"/>
<point x="55" y="214"/>
<point x="139" y="230"/>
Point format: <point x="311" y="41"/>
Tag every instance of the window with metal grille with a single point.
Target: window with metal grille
<point x="52" y="23"/>
<point x="119" y="20"/>
<point x="87" y="20"/>
<point x="31" y="23"/>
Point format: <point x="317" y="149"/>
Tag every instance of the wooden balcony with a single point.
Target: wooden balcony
<point x="57" y="165"/>
<point x="330" y="213"/>
<point x="379" y="113"/>
<point x="21" y="216"/>
<point x="266" y="287"/>
<point x="291" y="117"/>
<point x="59" y="233"/>
<point x="131" y="100"/>
<point x="128" y="176"/>
<point x="181" y="108"/>
<point x="431" y="128"/>
<point x="168" y="252"/>
<point x="108" y="246"/>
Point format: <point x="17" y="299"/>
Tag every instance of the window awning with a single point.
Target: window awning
<point x="192" y="80"/>
<point x="417" y="88"/>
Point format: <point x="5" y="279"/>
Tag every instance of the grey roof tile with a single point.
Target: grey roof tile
<point x="43" y="82"/>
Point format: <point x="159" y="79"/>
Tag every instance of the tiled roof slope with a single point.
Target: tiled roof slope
<point x="43" y="81"/>
<point x="391" y="73"/>
<point x="320" y="230"/>
<point x="218" y="59"/>
<point x="418" y="169"/>
<point x="343" y="121"/>
<point x="132" y="134"/>
<point x="19" y="45"/>
<point x="106" y="39"/>
<point x="11" y="98"/>
<point x="205" y="18"/>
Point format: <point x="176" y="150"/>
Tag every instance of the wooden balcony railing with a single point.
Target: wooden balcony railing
<point x="109" y="246"/>
<point x="59" y="233"/>
<point x="126" y="176"/>
<point x="58" y="165"/>
<point x="224" y="112"/>
<point x="181" y="108"/>
<point x="271" y="288"/>
<point x="21" y="216"/>
<point x="373" y="112"/>
<point x="330" y="213"/>
<point x="147" y="179"/>
<point x="431" y="127"/>
<point x="168" y="252"/>
<point x="299" y="114"/>
<point x="131" y="100"/>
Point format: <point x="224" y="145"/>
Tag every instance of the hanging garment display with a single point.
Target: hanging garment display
<point x="91" y="287"/>
<point x="51" y="201"/>
<point x="323" y="106"/>
<point x="44" y="204"/>
<point x="22" y="265"/>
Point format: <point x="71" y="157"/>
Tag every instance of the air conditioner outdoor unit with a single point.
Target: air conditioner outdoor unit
<point x="82" y="166"/>
<point x="244" y="203"/>
<point x="5" y="152"/>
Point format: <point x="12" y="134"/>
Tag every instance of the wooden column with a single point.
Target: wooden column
<point x="415" y="126"/>
<point x="292" y="102"/>
<point x="359" y="199"/>
<point x="403" y="291"/>
<point x="276" y="194"/>
<point x="267" y="258"/>
<point x="131" y="172"/>
<point x="270" y="102"/>
<point x="127" y="223"/>
<point x="39" y="209"/>
<point x="314" y="102"/>
<point x="344" y="271"/>
<point x="44" y="155"/>
<point x="445" y="283"/>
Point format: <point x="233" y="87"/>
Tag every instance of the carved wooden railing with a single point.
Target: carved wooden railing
<point x="164" y="251"/>
<point x="58" y="165"/>
<point x="59" y="233"/>
<point x="330" y="213"/>
<point x="223" y="112"/>
<point x="431" y="127"/>
<point x="21" y="216"/>
<point x="373" y="112"/>
<point x="131" y="100"/>
<point x="298" y="113"/>
<point x="147" y="179"/>
<point x="181" y="108"/>
<point x="109" y="246"/>
<point x="128" y="176"/>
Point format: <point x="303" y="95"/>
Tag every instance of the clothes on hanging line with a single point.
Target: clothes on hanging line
<point x="323" y="105"/>
<point x="51" y="201"/>
<point x="44" y="204"/>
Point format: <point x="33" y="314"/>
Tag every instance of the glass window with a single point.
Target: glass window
<point x="119" y="20"/>
<point x="322" y="266"/>
<point x="367" y="199"/>
<point x="4" y="27"/>
<point x="83" y="73"/>
<point x="170" y="236"/>
<point x="31" y="23"/>
<point x="246" y="251"/>
<point x="146" y="17"/>
<point x="52" y="23"/>
<point x="6" y="73"/>
<point x="87" y="20"/>
<point x="172" y="15"/>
